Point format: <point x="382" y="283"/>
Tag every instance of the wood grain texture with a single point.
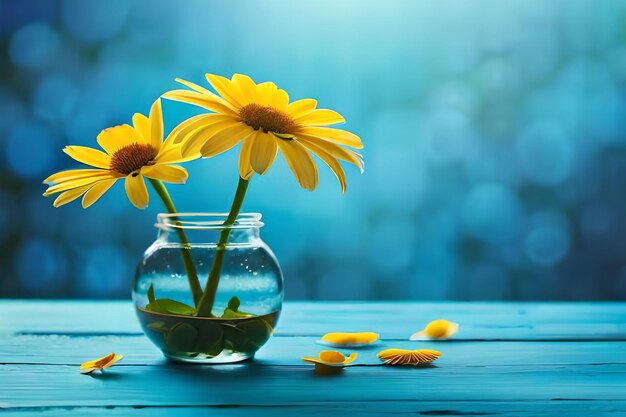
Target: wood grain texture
<point x="249" y="384"/>
<point x="73" y="350"/>
<point x="508" y="359"/>
<point x="393" y="320"/>
<point x="560" y="408"/>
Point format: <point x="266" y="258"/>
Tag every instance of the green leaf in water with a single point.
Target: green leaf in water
<point x="232" y="310"/>
<point x="167" y="306"/>
<point x="247" y="336"/>
<point x="230" y="314"/>
<point x="234" y="339"/>
<point x="158" y="326"/>
<point x="151" y="293"/>
<point x="210" y="339"/>
<point x="182" y="337"/>
<point x="257" y="331"/>
<point x="234" y="303"/>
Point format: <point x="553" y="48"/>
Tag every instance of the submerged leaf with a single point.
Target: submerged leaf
<point x="210" y="339"/>
<point x="182" y="337"/>
<point x="232" y="314"/>
<point x="167" y="306"/>
<point x="158" y="326"/>
<point x="248" y="335"/>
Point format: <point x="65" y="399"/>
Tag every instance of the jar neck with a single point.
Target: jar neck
<point x="206" y="228"/>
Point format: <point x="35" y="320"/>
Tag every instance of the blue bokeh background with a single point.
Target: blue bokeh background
<point x="494" y="131"/>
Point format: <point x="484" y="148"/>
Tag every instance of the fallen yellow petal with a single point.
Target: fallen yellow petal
<point x="437" y="329"/>
<point x="350" y="359"/>
<point x="329" y="361"/>
<point x="332" y="356"/>
<point x="343" y="339"/>
<point x="408" y="357"/>
<point x="100" y="363"/>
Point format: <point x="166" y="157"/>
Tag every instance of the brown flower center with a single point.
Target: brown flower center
<point x="267" y="118"/>
<point x="130" y="158"/>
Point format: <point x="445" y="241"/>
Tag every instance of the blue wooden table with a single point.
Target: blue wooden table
<point x="561" y="359"/>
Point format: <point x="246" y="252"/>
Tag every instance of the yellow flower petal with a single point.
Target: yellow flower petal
<point x="280" y="100"/>
<point x="301" y="107"/>
<point x="225" y="139"/>
<point x="71" y="195"/>
<point x="329" y="160"/>
<point x="331" y="357"/>
<point x="408" y="357"/>
<point x="310" y="359"/>
<point x="195" y="87"/>
<point x="226" y="89"/>
<point x="342" y="137"/>
<point x="350" y="359"/>
<point x="263" y="151"/>
<point x="136" y="190"/>
<point x="196" y="136"/>
<point x="72" y="174"/>
<point x="112" y="361"/>
<point x="88" y="156"/>
<point x="201" y="100"/>
<point x="333" y="149"/>
<point x="117" y="137"/>
<point x="196" y="141"/>
<point x="245" y="169"/>
<point x="246" y="85"/>
<point x="96" y="191"/>
<point x="177" y="134"/>
<point x="320" y="117"/>
<point x="189" y="127"/>
<point x="437" y="329"/>
<point x="78" y="182"/>
<point x="329" y="361"/>
<point x="142" y="125"/>
<point x="265" y="93"/>
<point x="300" y="163"/>
<point x="347" y="338"/>
<point x="174" y="155"/>
<point x="100" y="363"/>
<point x="156" y="125"/>
<point x="167" y="173"/>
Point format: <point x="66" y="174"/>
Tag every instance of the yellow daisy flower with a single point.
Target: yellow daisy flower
<point x="261" y="117"/>
<point x="129" y="152"/>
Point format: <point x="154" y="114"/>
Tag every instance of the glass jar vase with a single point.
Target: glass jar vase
<point x="193" y="318"/>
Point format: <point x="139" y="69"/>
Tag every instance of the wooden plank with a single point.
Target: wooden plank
<point x="524" y="375"/>
<point x="137" y="350"/>
<point x="559" y="408"/>
<point x="269" y="385"/>
<point x="479" y="321"/>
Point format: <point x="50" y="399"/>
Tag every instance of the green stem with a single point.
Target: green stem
<point x="192" y="276"/>
<point x="205" y="305"/>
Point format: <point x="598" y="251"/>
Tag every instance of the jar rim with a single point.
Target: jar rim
<point x="207" y="221"/>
